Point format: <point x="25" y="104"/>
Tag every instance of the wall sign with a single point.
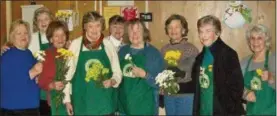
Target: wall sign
<point x="147" y="17"/>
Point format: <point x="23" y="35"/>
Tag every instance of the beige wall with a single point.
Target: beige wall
<point x="262" y="12"/>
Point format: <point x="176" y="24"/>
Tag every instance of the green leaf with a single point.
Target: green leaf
<point x="246" y="13"/>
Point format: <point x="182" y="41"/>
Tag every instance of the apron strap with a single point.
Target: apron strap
<point x="266" y="60"/>
<point x="39" y="38"/>
<point x="248" y="63"/>
<point x="265" y="64"/>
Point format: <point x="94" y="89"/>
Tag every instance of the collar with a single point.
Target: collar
<point x="94" y="45"/>
<point x="182" y="41"/>
<point x="115" y="41"/>
<point x="215" y="46"/>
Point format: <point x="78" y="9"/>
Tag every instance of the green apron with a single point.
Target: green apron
<point x="265" y="95"/>
<point x="42" y="47"/>
<point x="206" y="82"/>
<point x="61" y="109"/>
<point x="87" y="97"/>
<point x="136" y="97"/>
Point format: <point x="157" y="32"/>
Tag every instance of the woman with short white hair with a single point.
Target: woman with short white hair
<point x="259" y="73"/>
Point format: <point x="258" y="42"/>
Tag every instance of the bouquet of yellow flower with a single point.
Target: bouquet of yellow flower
<point x="97" y="72"/>
<point x="63" y="15"/>
<point x="172" y="57"/>
<point x="61" y="70"/>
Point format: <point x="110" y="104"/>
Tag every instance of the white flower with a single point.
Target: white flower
<point x="128" y="57"/>
<point x="39" y="55"/>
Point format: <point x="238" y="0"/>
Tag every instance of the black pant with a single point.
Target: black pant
<point x="44" y="108"/>
<point x="25" y="112"/>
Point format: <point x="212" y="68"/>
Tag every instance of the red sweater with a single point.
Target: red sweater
<point x="49" y="70"/>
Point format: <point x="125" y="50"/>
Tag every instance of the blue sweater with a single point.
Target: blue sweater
<point x="154" y="61"/>
<point x="18" y="91"/>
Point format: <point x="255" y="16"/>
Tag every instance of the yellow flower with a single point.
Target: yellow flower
<point x="172" y="57"/>
<point x="259" y="72"/>
<point x="105" y="71"/>
<point x="87" y="79"/>
<point x="64" y="53"/>
<point x="96" y="71"/>
<point x="210" y="68"/>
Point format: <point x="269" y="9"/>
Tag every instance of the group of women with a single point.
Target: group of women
<point x="212" y="82"/>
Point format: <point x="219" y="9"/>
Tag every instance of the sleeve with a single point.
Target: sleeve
<point x="113" y="57"/>
<point x="34" y="61"/>
<point x="34" y="44"/>
<point x="234" y="78"/>
<point x="195" y="80"/>
<point x="154" y="66"/>
<point x="243" y="64"/>
<point x="47" y="73"/>
<point x="186" y="63"/>
<point x="72" y="63"/>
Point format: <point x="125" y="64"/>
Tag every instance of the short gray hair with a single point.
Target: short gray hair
<point x="260" y="29"/>
<point x="39" y="11"/>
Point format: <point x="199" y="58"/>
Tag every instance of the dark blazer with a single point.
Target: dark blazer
<point x="228" y="81"/>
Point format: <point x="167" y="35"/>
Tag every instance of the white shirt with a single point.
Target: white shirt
<point x="34" y="45"/>
<point x="72" y="63"/>
<point x="116" y="43"/>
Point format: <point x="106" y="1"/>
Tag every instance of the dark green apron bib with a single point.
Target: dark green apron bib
<point x="61" y="109"/>
<point x="42" y="47"/>
<point x="206" y="82"/>
<point x="265" y="95"/>
<point x="136" y="97"/>
<point x="87" y="97"/>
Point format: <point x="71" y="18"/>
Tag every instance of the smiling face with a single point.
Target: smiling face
<point x="20" y="37"/>
<point x="175" y="30"/>
<point x="59" y="38"/>
<point x="43" y="20"/>
<point x="93" y="30"/>
<point x="207" y="34"/>
<point x="117" y="30"/>
<point x="136" y="34"/>
<point x="257" y="42"/>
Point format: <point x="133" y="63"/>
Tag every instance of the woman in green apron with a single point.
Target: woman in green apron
<point x="140" y="63"/>
<point x="95" y="72"/>
<point x="259" y="73"/>
<point x="39" y="41"/>
<point x="58" y="34"/>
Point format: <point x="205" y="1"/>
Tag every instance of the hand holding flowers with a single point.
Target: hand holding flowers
<point x="58" y="85"/>
<point x="109" y="83"/>
<point x="138" y="72"/>
<point x="39" y="55"/>
<point x="129" y="58"/>
<point x="265" y="75"/>
<point x="36" y="70"/>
